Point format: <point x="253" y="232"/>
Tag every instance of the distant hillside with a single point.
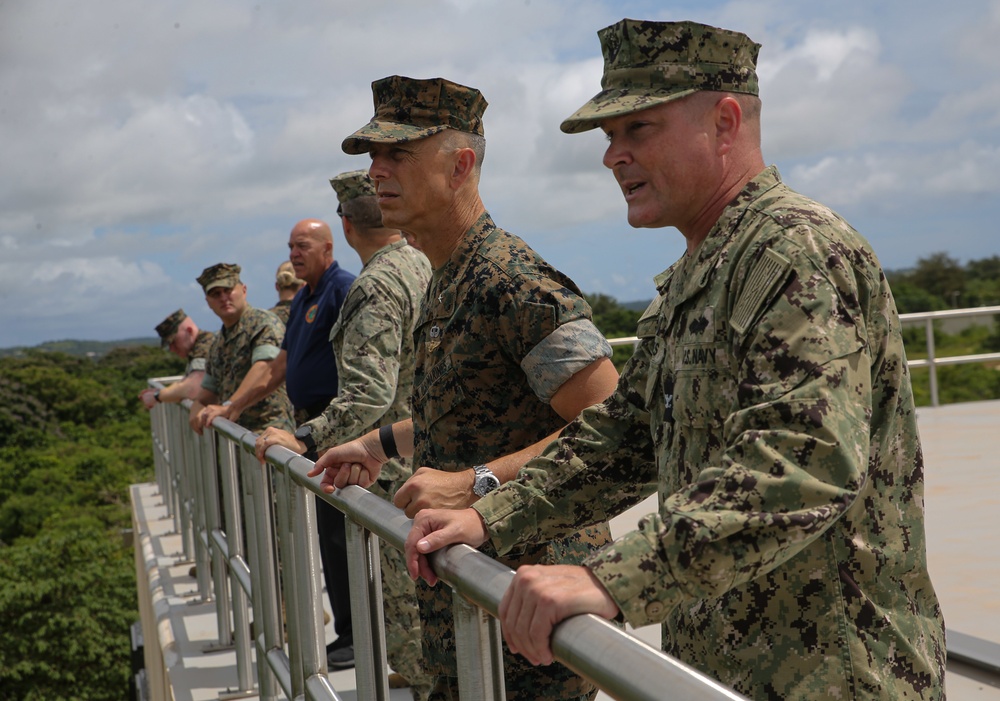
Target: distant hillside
<point x="637" y="306"/>
<point x="89" y="349"/>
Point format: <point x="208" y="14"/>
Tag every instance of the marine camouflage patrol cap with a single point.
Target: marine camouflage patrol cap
<point x="351" y="185"/>
<point x="219" y="275"/>
<point x="648" y="63"/>
<point x="168" y="328"/>
<point x="407" y="109"/>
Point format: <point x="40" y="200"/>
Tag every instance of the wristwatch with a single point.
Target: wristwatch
<point x="156" y="395"/>
<point x="304" y="433"/>
<point x="485" y="481"/>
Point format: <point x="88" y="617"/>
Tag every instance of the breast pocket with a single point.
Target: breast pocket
<point x="703" y="385"/>
<point x="437" y="403"/>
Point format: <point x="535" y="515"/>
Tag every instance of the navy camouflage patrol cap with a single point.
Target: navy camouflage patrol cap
<point x="407" y="109"/>
<point x="351" y="185"/>
<point x="219" y="275"/>
<point x="168" y="328"/>
<point x="648" y="63"/>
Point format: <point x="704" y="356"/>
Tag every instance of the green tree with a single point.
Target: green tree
<point x="73" y="437"/>
<point x="942" y="276"/>
<point x="66" y="604"/>
<point x="614" y="321"/>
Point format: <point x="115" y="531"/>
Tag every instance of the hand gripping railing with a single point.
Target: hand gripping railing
<point x="222" y="493"/>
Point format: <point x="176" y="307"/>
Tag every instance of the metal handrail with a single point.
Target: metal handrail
<point x="276" y="509"/>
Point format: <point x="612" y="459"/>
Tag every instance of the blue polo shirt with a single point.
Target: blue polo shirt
<point x="311" y="376"/>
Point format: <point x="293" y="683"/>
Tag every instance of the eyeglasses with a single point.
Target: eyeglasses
<point x="340" y="211"/>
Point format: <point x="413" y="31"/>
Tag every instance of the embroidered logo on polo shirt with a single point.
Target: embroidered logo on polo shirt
<point x="311" y="313"/>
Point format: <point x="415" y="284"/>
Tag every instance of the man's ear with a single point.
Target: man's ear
<point x="728" y="119"/>
<point x="465" y="164"/>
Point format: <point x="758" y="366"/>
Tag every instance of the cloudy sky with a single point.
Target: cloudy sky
<point x="142" y="142"/>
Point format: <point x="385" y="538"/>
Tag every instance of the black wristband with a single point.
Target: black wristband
<point x="388" y="442"/>
<point x="156" y="395"/>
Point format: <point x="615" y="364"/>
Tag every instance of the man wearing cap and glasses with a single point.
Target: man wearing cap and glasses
<point x="239" y="361"/>
<point x="506" y="352"/>
<point x="179" y="334"/>
<point x="768" y="401"/>
<point x="372" y="341"/>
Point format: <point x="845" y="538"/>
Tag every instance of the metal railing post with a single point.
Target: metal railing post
<point x="200" y="474"/>
<point x="288" y="569"/>
<point x="175" y="449"/>
<point x="239" y="580"/>
<point x="303" y="584"/>
<point x="215" y="540"/>
<point x="929" y="331"/>
<point x="258" y="499"/>
<point x="365" y="572"/>
<point x="479" y="654"/>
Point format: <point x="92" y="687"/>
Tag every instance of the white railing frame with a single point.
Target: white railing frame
<point x="931" y="361"/>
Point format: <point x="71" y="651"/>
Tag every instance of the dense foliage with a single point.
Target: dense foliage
<point x="73" y="437"/>
<point x="941" y="282"/>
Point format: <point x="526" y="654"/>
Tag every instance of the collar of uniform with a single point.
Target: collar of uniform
<point x="228" y="334"/>
<point x="693" y="272"/>
<point x="442" y="287"/>
<point x="395" y="245"/>
<point x="330" y="271"/>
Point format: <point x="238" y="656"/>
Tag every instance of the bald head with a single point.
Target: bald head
<point x="310" y="250"/>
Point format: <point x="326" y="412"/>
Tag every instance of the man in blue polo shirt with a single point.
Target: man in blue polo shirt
<point x="309" y="368"/>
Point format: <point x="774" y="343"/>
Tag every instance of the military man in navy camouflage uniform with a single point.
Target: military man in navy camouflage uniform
<point x="372" y="342"/>
<point x="506" y="351"/>
<point x="235" y="382"/>
<point x="768" y="402"/>
<point x="180" y="335"/>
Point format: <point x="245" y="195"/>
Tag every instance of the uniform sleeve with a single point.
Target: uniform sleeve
<point x="208" y="381"/>
<point x="547" y="328"/>
<point x="794" y="458"/>
<point x="367" y="363"/>
<point x="602" y="463"/>
<point x="267" y="340"/>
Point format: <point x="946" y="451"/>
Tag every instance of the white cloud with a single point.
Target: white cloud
<point x="831" y="91"/>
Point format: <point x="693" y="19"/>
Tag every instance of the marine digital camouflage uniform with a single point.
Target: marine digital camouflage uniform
<point x="373" y="343"/>
<point x="281" y="310"/>
<point x="198" y="355"/>
<point x="769" y="400"/>
<point x="256" y="336"/>
<point x="499" y="333"/>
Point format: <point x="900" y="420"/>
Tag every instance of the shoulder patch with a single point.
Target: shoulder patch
<point x="766" y="274"/>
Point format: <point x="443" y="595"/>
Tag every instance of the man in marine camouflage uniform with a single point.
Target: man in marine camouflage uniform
<point x="180" y="335"/>
<point x="768" y="400"/>
<point x="506" y="349"/>
<point x="234" y="385"/>
<point x="373" y="345"/>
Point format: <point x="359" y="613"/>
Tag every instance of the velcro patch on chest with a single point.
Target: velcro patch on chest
<point x="764" y="278"/>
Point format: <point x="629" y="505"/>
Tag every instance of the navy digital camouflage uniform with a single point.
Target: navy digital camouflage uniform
<point x="499" y="333"/>
<point x="373" y="343"/>
<point x="770" y="404"/>
<point x="255" y="337"/>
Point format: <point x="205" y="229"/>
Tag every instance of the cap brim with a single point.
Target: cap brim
<point x="615" y="103"/>
<point x="380" y="132"/>
<point x="221" y="283"/>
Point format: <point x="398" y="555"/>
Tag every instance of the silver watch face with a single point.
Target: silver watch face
<point x="485" y="483"/>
